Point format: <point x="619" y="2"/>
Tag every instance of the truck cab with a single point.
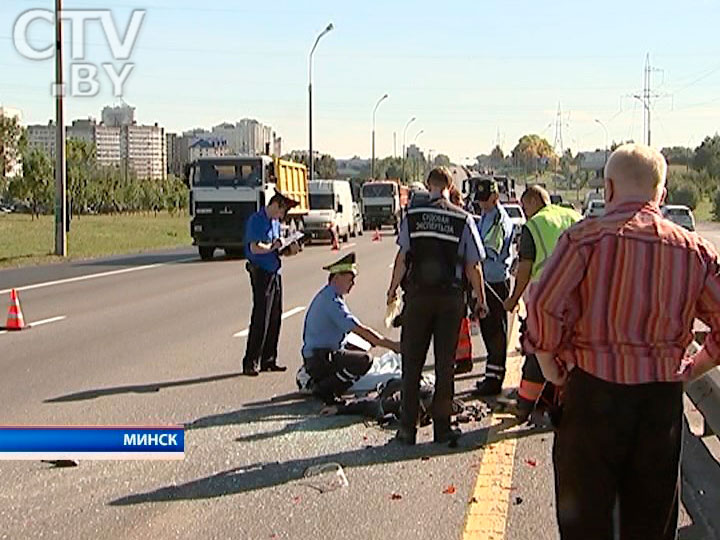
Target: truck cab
<point x="225" y="191"/>
<point x="383" y="203"/>
<point x="331" y="209"/>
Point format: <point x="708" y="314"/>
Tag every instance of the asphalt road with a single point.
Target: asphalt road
<point x="150" y="340"/>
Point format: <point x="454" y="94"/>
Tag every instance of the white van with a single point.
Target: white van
<point x="331" y="208"/>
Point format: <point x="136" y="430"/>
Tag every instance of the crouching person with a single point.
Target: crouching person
<point x="333" y="367"/>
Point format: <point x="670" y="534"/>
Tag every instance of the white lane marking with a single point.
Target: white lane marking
<point x="348" y="246"/>
<point x="289" y="313"/>
<point x="93" y="276"/>
<point x="39" y="323"/>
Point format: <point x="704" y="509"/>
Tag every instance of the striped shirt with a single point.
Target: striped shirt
<point x="620" y="293"/>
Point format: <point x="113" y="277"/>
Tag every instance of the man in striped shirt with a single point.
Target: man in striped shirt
<point x="610" y="320"/>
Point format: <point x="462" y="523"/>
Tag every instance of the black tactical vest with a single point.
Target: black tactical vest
<point x="435" y="231"/>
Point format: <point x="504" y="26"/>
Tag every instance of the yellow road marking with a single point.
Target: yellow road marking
<point x="488" y="511"/>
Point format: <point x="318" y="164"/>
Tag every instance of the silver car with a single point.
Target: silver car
<point x="680" y="215"/>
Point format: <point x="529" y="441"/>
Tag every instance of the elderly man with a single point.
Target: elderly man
<point x="331" y="366"/>
<point x="610" y="320"/>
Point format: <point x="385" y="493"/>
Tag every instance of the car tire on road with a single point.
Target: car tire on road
<point x="206" y="252"/>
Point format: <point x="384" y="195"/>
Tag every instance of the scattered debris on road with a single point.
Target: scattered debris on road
<point x="326" y="477"/>
<point x="449" y="490"/>
<point x="518" y="500"/>
<point x="395" y="497"/>
<point x="531" y="462"/>
<point x="61" y="463"/>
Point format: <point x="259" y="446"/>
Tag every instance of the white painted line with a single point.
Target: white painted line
<point x="289" y="313"/>
<point x="39" y="323"/>
<point x="348" y="246"/>
<point x="93" y="276"/>
<point x="47" y="321"/>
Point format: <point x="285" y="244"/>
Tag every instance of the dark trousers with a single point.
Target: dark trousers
<point x="333" y="372"/>
<point x="618" y="443"/>
<point x="494" y="329"/>
<point x="427" y="316"/>
<point x="262" y="342"/>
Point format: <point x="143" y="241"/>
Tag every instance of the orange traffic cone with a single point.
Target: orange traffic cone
<point x="376" y="236"/>
<point x="15" y="319"/>
<point x="463" y="351"/>
<point x="335" y="243"/>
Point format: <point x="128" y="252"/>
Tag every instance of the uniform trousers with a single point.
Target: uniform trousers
<point x="437" y="316"/>
<point x="494" y="329"/>
<point x="333" y="372"/>
<point x="264" y="332"/>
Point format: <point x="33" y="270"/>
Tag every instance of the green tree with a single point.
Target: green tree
<point x="497" y="156"/>
<point x="533" y="152"/>
<point x="36" y="185"/>
<point x="80" y="173"/>
<point x="678" y="155"/>
<point x="326" y="167"/>
<point x="12" y="144"/>
<point x="684" y="193"/>
<point x="441" y="160"/>
<point x="707" y="156"/>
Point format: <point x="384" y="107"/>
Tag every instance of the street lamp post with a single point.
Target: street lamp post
<point x="310" y="116"/>
<point x="415" y="165"/>
<point x="404" y="154"/>
<point x="372" y="166"/>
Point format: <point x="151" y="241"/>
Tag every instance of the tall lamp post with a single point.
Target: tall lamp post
<point x="372" y="166"/>
<point x="60" y="178"/>
<point x="404" y="154"/>
<point x="415" y="165"/>
<point x="310" y="154"/>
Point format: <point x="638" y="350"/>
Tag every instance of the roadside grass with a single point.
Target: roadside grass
<point x="25" y="242"/>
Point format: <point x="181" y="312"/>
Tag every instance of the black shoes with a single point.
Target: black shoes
<point x="273" y="367"/>
<point x="448" y="436"/>
<point x="406" y="437"/>
<point x="250" y="372"/>
<point x="488" y="387"/>
<point x="463" y="366"/>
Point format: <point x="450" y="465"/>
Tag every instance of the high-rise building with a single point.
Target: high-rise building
<point x="121" y="115"/>
<point x="82" y="130"/>
<point x="144" y="151"/>
<point x="208" y="147"/>
<point x="246" y="137"/>
<point x="10" y="152"/>
<point x="43" y="137"/>
<point x="107" y="145"/>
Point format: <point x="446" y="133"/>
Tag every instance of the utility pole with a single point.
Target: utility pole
<point x="394" y="144"/>
<point x="646" y="99"/>
<point x="372" y="166"/>
<point x="310" y="114"/>
<point x="60" y="173"/>
<point x="558" y="142"/>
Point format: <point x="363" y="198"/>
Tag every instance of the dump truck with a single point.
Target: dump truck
<point x="226" y="190"/>
<point x="383" y="203"/>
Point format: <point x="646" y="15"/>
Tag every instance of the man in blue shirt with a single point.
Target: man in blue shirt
<point x="496" y="231"/>
<point x="262" y="248"/>
<point x="331" y="365"/>
<point x="439" y="249"/>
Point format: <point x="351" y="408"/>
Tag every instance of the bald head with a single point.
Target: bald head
<point x="635" y="171"/>
<point x="534" y="199"/>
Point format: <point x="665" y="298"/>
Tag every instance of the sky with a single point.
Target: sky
<point x="472" y="73"/>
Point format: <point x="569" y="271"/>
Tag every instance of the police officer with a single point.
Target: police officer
<point x="262" y="248"/>
<point x="546" y="222"/>
<point x="439" y="247"/>
<point x="331" y="365"/>
<point x="496" y="231"/>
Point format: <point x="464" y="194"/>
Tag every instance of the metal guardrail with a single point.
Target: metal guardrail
<point x="705" y="392"/>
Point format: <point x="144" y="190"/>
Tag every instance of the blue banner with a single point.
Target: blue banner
<point x="125" y="441"/>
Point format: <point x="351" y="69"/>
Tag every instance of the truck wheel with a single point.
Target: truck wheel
<point x="235" y="253"/>
<point x="206" y="252"/>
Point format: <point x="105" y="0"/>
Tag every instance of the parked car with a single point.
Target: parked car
<point x="592" y="196"/>
<point x="555" y="199"/>
<point x="595" y="209"/>
<point x="517" y="216"/>
<point x="680" y="215"/>
<point x="566" y="204"/>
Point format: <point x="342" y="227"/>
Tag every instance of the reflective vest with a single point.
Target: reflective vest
<point x="546" y="227"/>
<point x="495" y="236"/>
<point x="435" y="230"/>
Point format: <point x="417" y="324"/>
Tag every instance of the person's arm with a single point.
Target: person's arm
<point x="522" y="279"/>
<point x="473" y="271"/>
<point x="374" y="338"/>
<point x="262" y="248"/>
<point x="708" y="311"/>
<point x="473" y="254"/>
<point x="398" y="273"/>
<point x="552" y="313"/>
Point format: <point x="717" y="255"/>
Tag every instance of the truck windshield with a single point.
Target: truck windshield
<point x="322" y="201"/>
<point x="378" y="190"/>
<point x="228" y="173"/>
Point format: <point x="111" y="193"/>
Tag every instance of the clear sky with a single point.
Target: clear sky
<point x="473" y="72"/>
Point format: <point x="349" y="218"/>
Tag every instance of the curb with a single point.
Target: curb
<point x="705" y="395"/>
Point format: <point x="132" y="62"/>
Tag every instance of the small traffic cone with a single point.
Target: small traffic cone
<point x="463" y="351"/>
<point x="15" y="319"/>
<point x="376" y="236"/>
<point x="335" y="243"/>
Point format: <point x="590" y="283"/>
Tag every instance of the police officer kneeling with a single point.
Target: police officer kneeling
<point x="439" y="248"/>
<point x="330" y="364"/>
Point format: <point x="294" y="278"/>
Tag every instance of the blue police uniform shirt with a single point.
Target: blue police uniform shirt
<point x="470" y="248"/>
<point x="260" y="228"/>
<point x="496" y="266"/>
<point x="327" y="322"/>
